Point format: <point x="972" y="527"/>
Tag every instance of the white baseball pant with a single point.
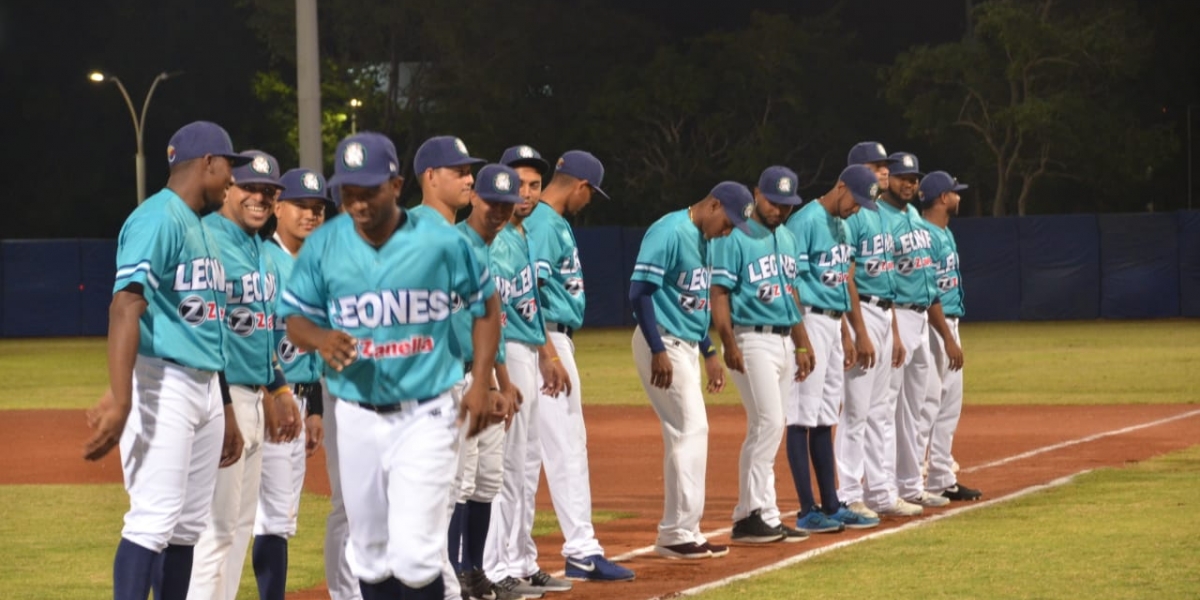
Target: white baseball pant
<point x="283" y="467"/>
<point x="505" y="539"/>
<point x="221" y="552"/>
<point x="946" y="392"/>
<point x="397" y="472"/>
<point x="680" y="409"/>
<point x="451" y="589"/>
<point x="170" y="450"/>
<point x="563" y="437"/>
<point x="815" y="401"/>
<point x="341" y="582"/>
<point x="770" y="362"/>
<point x="910" y="382"/>
<point x="859" y="450"/>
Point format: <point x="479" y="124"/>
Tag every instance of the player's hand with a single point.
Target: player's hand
<point x="555" y="379"/>
<point x="955" y="355"/>
<point x="476" y="409"/>
<point x="513" y="395"/>
<point x="290" y="419"/>
<point x="733" y="358"/>
<point x="850" y="358"/>
<point x="503" y="407"/>
<point x="314" y="434"/>
<point x="107" y="419"/>
<point x="716" y="373"/>
<point x="660" y="370"/>
<point x="805" y="361"/>
<point x="231" y="448"/>
<point x="338" y="348"/>
<point x="898" y="354"/>
<point x="864" y="351"/>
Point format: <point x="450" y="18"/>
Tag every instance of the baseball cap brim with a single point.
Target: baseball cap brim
<point x="597" y="189"/>
<point x="506" y="198"/>
<point x="360" y="179"/>
<point x="237" y="160"/>
<point x="466" y="160"/>
<point x="263" y="180"/>
<point x="864" y="201"/>
<point x="738" y="221"/>
<point x="538" y="164"/>
<point x="781" y="199"/>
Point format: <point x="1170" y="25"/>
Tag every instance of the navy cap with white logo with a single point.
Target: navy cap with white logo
<point x="863" y="184"/>
<point x="443" y="151"/>
<point x="302" y="184"/>
<point x="199" y="139"/>
<point x="779" y="184"/>
<point x="262" y="168"/>
<point x="525" y="156"/>
<point x="905" y="163"/>
<point x="498" y="183"/>
<point x="937" y="183"/>
<point x="583" y="166"/>
<point x="737" y="201"/>
<point x="366" y="159"/>
<point x="867" y="152"/>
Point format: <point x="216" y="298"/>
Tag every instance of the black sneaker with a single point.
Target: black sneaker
<point x="792" y="535"/>
<point x="959" y="492"/>
<point x="753" y="530"/>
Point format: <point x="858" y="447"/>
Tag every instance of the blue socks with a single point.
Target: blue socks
<point x="458" y="525"/>
<point x="479" y="515"/>
<point x="797" y="454"/>
<point x="133" y="569"/>
<point x="820" y="448"/>
<point x="392" y="589"/>
<point x="270" y="560"/>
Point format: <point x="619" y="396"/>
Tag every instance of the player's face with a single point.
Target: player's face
<point x="952" y="200"/>
<point x="904" y="187"/>
<point x="580" y="197"/>
<point x="847" y="205"/>
<point x="768" y="213"/>
<point x="716" y="222"/>
<point x="490" y="216"/>
<point x="372" y="207"/>
<point x="531" y="191"/>
<point x="250" y="205"/>
<point x="880" y="169"/>
<point x="452" y="186"/>
<point x="218" y="177"/>
<point x="298" y="218"/>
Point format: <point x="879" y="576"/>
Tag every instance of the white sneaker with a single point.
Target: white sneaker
<point x="900" y="508"/>
<point x="860" y="508"/>
<point x="930" y="500"/>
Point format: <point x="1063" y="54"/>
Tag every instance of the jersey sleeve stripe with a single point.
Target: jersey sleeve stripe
<point x="649" y="268"/>
<point x="128" y="270"/>
<point x="725" y="273"/>
<point x="295" y="302"/>
<point x="131" y="272"/>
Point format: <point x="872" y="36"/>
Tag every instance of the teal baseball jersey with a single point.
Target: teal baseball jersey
<point x="516" y="282"/>
<point x="674" y="256"/>
<point x="463" y="321"/>
<point x="298" y="366"/>
<point x="870" y="234"/>
<point x="760" y="275"/>
<point x="557" y="262"/>
<point x="946" y="266"/>
<point x="916" y="282"/>
<point x="396" y="300"/>
<point x="822" y="257"/>
<point x="250" y="287"/>
<point x="165" y="248"/>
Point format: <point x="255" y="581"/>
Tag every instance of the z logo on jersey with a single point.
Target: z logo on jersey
<point x="574" y="286"/>
<point x="691" y="303"/>
<point x="877" y="266"/>
<point x="908" y="264"/>
<point x="527" y="308"/>
<point x="834" y="279"/>
<point x="946" y="284"/>
<point x="287" y="351"/>
<point x="768" y="292"/>
<point x="194" y="310"/>
<point x="243" y="322"/>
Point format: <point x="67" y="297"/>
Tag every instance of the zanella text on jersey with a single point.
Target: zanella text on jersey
<point x="417" y="344"/>
<point x="386" y="308"/>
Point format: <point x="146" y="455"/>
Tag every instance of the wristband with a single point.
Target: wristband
<point x="801" y="350"/>
<point x="554" y="359"/>
<point x="711" y="352"/>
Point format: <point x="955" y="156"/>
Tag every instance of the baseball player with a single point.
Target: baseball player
<point x="577" y="178"/>
<point x="866" y="425"/>
<point x="251" y="288"/>
<point x="939" y="200"/>
<point x="916" y="299"/>
<point x="372" y="292"/>
<point x="164" y="354"/>
<point x="823" y="261"/>
<point x="756" y="311"/>
<point x="669" y="292"/>
<point x="299" y="210"/>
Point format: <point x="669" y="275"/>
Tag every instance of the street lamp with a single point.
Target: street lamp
<point x="139" y="122"/>
<point x="355" y="104"/>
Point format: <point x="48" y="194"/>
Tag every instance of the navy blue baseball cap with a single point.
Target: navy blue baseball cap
<point x="201" y="138"/>
<point x="863" y="184"/>
<point x="867" y="152"/>
<point x="443" y="151"/>
<point x="583" y="166"/>
<point x="366" y="159"/>
<point x="525" y="156"/>
<point x="498" y="183"/>
<point x="737" y="201"/>
<point x="302" y="184"/>
<point x="937" y="183"/>
<point x="905" y="163"/>
<point x="262" y="168"/>
<point x="779" y="184"/>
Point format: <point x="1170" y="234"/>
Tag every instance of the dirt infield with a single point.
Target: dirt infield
<point x="625" y="448"/>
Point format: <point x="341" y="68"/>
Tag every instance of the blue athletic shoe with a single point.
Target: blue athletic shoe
<point x="596" y="568"/>
<point x="815" y="521"/>
<point x="853" y="520"/>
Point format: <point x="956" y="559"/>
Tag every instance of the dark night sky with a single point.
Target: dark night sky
<point x="69" y="144"/>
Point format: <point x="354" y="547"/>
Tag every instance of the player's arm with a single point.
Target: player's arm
<point x="108" y="417"/>
<point x="937" y="320"/>
<point x="722" y="318"/>
<point x="641" y="294"/>
<point x="338" y="348"/>
<point x="863" y="347"/>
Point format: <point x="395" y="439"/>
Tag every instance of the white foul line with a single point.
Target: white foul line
<point x="996" y="463"/>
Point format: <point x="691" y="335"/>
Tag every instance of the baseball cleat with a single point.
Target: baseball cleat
<point x="929" y="500"/>
<point x="543" y="581"/>
<point x="512" y="585"/>
<point x="960" y="492"/>
<point x="859" y="507"/>
<point x="596" y="568"/>
<point x="688" y="551"/>
<point x="815" y="521"/>
<point x="715" y="550"/>
<point x="792" y="535"/>
<point x="753" y="530"/>
<point x="853" y="520"/>
<point x="900" y="508"/>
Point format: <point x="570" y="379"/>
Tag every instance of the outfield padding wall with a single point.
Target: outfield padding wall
<point x="1062" y="267"/>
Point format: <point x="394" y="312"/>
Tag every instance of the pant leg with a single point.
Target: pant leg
<point x="941" y="441"/>
<point x="851" y="446"/>
<point x="502" y="550"/>
<point x="770" y="368"/>
<point x="910" y="454"/>
<point x="341" y="582"/>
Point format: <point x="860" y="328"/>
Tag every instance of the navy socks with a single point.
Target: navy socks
<point x="392" y="589"/>
<point x="797" y="454"/>
<point x="820" y="448"/>
<point x="458" y="533"/>
<point x="270" y="560"/>
<point x="133" y="569"/>
<point x="479" y="515"/>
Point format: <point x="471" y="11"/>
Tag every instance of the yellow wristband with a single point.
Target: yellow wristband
<point x="801" y="350"/>
<point x="554" y="359"/>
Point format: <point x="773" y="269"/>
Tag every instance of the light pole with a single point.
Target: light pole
<point x="139" y="122"/>
<point x="355" y="104"/>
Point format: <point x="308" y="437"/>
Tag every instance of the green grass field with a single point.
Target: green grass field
<point x="1118" y="533"/>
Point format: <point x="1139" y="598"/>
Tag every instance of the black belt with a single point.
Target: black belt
<point x="913" y="307"/>
<point x="833" y="314"/>
<point x="559" y="327"/>
<point x="387" y="409"/>
<point x="776" y="329"/>
<point x="883" y="303"/>
<point x="468" y="365"/>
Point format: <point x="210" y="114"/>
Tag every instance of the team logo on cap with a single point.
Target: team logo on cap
<point x="880" y="150"/>
<point x="874" y="191"/>
<point x="354" y="156"/>
<point x="261" y="165"/>
<point x="311" y="182"/>
<point x="462" y="148"/>
<point x="502" y="182"/>
<point x="785" y="185"/>
<point x="747" y="211"/>
<point x="170" y="154"/>
<point x="907" y="160"/>
<point x="559" y="164"/>
<point x="525" y="152"/>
